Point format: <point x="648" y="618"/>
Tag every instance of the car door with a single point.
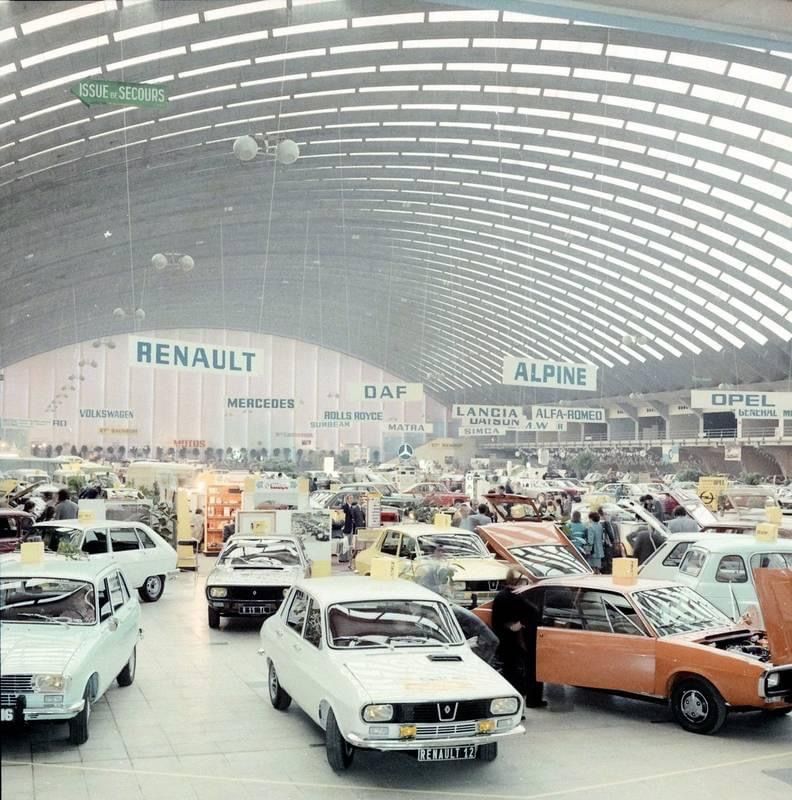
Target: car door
<point x="286" y="657"/>
<point x="310" y="659"/>
<point x="157" y="560"/>
<point x="594" y="639"/>
<point x="126" y="617"/>
<point x="94" y="542"/>
<point x="127" y="551"/>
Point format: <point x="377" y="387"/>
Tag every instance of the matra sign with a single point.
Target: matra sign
<point x="744" y="404"/>
<point x="390" y="391"/>
<point x="549" y="374"/>
<point x="193" y="356"/>
<point x="409" y="427"/>
<point x="568" y="414"/>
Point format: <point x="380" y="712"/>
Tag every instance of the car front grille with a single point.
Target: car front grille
<point x="483" y="586"/>
<point x="458" y="711"/>
<point x="257" y="594"/>
<point x="11" y="686"/>
<point x="444" y="730"/>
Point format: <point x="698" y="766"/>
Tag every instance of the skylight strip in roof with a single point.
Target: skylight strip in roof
<point x="564" y="94"/>
<point x="596" y="119"/>
<point x="608" y="76"/>
<point x="301" y="76"/>
<point x="408" y="18"/>
<point x="181" y="133"/>
<point x="499" y="43"/>
<point x="765" y="107"/>
<point x="9" y="97"/>
<point x="50" y="149"/>
<point x="224" y="12"/>
<point x="628" y="102"/>
<point x="775" y="328"/>
<point x="476" y="66"/>
<point x="750" y="156"/>
<point x="435" y="67"/>
<point x="287" y="55"/>
<point x="733" y="126"/>
<point x="540" y="69"/>
<point x="310" y="27"/>
<point x="764" y="186"/>
<point x="121" y="130"/>
<point x="759" y="338"/>
<point x="73" y="78"/>
<point x="364" y="48"/>
<point x="328" y="73"/>
<point x="188" y="73"/>
<point x="715" y="65"/>
<point x="7" y="69"/>
<point x="71" y="14"/>
<point x="524" y="90"/>
<point x="776" y="216"/>
<point x="199" y="92"/>
<point x="712" y="94"/>
<point x="663" y="84"/>
<point x="6" y="34"/>
<point x="636" y="53"/>
<point x="226" y="41"/>
<point x="756" y="252"/>
<point x="156" y="27"/>
<point x="764" y="77"/>
<point x="66" y="50"/>
<point x="413" y="44"/>
<point x="463" y="16"/>
<point x="146" y="57"/>
<point x="53" y="130"/>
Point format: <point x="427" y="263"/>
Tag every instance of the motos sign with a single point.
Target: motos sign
<point x="549" y="374"/>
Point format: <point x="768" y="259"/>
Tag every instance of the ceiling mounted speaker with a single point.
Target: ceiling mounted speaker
<point x="119" y="313"/>
<point x="245" y="148"/>
<point x="186" y="263"/>
<point x="140" y="314"/>
<point x="287" y="152"/>
<point x="159" y="261"/>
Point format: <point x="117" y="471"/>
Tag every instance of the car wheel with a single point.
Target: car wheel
<point x="487" y="752"/>
<point x="697" y="706"/>
<point x="152" y="588"/>
<point x="78" y="726"/>
<point x="339" y="752"/>
<point x="279" y="697"/>
<point x="214" y="617"/>
<point x="127" y="674"/>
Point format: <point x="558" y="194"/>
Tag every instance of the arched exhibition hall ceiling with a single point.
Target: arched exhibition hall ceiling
<point x="558" y="181"/>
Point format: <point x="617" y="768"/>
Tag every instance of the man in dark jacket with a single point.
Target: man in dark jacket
<point x="644" y="542"/>
<point x="483" y="642"/>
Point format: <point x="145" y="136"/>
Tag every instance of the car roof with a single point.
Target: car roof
<point x="741" y="542"/>
<point x="84" y="524"/>
<point x="350" y="588"/>
<point x="56" y="566"/>
<point x="607" y="582"/>
<point x="424" y="528"/>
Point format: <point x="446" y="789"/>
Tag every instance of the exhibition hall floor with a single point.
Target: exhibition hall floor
<point x="197" y="724"/>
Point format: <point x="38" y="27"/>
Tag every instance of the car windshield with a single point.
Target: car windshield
<point x="267" y="554"/>
<point x="452" y="545"/>
<point x="749" y="501"/>
<point x="52" y="536"/>
<point x="548" y="560"/>
<point x="677" y="609"/>
<point x="391" y="623"/>
<point x="47" y="601"/>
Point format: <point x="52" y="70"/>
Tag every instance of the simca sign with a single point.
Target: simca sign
<point x="481" y="430"/>
<point x="549" y="374"/>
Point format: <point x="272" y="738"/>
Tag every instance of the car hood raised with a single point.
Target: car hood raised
<point x="40" y="648"/>
<point x="255" y="576"/>
<point x="478" y="569"/>
<point x="409" y="675"/>
<point x="774" y="590"/>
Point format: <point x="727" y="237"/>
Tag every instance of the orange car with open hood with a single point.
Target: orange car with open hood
<point x="660" y="641"/>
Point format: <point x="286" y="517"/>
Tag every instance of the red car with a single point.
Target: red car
<point x="14" y="523"/>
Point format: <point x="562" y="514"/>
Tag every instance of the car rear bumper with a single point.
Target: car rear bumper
<point x="418" y="744"/>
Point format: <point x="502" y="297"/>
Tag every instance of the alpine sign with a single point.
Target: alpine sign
<point x="549" y="374"/>
<point x="114" y="93"/>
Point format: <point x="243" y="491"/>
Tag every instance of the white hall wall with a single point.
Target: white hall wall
<point x="169" y="405"/>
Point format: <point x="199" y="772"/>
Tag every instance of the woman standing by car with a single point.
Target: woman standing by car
<point x="595" y="543"/>
<point x="577" y="533"/>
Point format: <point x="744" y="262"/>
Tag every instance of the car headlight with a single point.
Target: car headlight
<point x="501" y="706"/>
<point x="458" y="585"/>
<point x="218" y="591"/>
<point x="378" y="713"/>
<point x="49" y="683"/>
<point x="773" y="680"/>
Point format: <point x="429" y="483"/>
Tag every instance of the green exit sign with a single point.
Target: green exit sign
<point x="115" y="93"/>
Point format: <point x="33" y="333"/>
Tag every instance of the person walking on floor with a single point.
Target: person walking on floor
<point x="595" y="542"/>
<point x="65" y="508"/>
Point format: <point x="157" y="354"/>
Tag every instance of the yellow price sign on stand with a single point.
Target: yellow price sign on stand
<point x="773" y="514"/>
<point x="442" y="520"/>
<point x="262" y="526"/>
<point x="710" y="488"/>
<point x="767" y="532"/>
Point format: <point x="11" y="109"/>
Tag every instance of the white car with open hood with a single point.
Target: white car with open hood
<point x="383" y="665"/>
<point x="252" y="574"/>
<point x="68" y="628"/>
<point x="143" y="554"/>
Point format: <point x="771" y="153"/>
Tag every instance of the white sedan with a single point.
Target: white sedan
<point x="68" y="628"/>
<point x="144" y="555"/>
<point x="252" y="574"/>
<point x="383" y="665"/>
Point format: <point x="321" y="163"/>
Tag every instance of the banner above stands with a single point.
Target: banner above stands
<point x="194" y="356"/>
<point x="549" y="374"/>
<point x="744" y="404"/>
<point x="562" y="414"/>
<point x="408" y="392"/>
<point x="500" y="418"/>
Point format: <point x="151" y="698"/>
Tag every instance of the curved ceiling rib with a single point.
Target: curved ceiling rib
<point x="472" y="183"/>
